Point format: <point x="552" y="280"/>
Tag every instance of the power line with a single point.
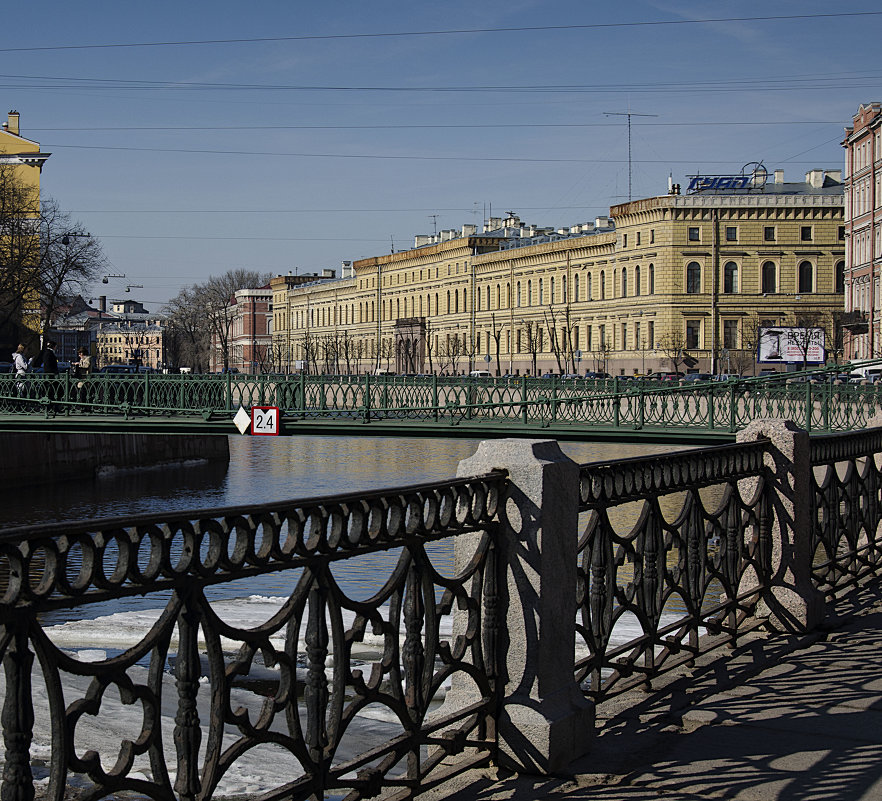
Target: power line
<point x="446" y="32"/>
<point x="784" y="83"/>
<point x="428" y="127"/>
<point x="383" y="157"/>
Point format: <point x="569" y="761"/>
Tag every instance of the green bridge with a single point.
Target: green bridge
<point x="573" y="409"/>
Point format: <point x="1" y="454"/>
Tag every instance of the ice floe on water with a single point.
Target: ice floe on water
<point x="259" y="769"/>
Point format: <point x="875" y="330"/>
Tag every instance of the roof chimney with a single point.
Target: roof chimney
<point x="779" y="176"/>
<point x="815" y="178"/>
<point x="12" y="125"/>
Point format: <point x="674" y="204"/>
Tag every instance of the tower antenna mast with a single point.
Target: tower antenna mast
<point x="628" y="114"/>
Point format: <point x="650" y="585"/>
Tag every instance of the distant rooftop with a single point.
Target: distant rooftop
<point x="515" y="233"/>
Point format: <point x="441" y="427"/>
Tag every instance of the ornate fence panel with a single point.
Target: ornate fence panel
<point x="319" y="688"/>
<point x="666" y="546"/>
<point x="846" y="508"/>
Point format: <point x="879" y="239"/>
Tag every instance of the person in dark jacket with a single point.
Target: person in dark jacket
<point x="50" y="360"/>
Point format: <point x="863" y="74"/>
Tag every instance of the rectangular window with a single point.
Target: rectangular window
<point x="731" y="233"/>
<point x="602" y="336"/>
<point x="730" y="334"/>
<point x="652" y="236"/>
<point x="841" y="233"/>
<point x="624" y="336"/>
<point x="624" y="240"/>
<point x="693" y="334"/>
<point x="694" y="234"/>
<point x="588" y="337"/>
<point x="805" y="233"/>
<point x="650" y="339"/>
<point x="769" y="233"/>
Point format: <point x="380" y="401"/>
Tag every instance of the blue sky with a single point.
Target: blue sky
<point x="298" y="153"/>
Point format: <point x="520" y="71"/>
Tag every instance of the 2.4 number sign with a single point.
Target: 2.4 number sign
<point x="265" y="420"/>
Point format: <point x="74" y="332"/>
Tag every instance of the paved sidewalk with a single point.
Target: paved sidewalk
<point x="784" y="718"/>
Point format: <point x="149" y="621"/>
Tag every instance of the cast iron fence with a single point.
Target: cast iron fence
<point x="633" y="405"/>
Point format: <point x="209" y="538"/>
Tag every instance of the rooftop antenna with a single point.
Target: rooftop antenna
<point x="434" y="219"/>
<point x="628" y="114"/>
<point x="392" y="240"/>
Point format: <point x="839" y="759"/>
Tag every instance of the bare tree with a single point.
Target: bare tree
<point x="45" y="259"/>
<point x="810" y="331"/>
<point x="187" y="334"/>
<point x="496" y="333"/>
<point x="70" y="260"/>
<point x="533" y="335"/>
<point x="220" y="307"/>
<point x="673" y="345"/>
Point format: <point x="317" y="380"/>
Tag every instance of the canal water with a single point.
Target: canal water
<point x="265" y="470"/>
<point x="261" y="470"/>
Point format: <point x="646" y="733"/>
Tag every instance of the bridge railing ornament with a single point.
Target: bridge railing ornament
<point x="632" y="567"/>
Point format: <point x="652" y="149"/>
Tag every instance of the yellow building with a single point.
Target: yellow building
<point x="21" y="163"/>
<point x="680" y="280"/>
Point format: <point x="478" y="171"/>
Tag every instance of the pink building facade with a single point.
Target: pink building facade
<point x="863" y="229"/>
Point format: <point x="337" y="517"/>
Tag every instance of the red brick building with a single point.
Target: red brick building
<point x="249" y="339"/>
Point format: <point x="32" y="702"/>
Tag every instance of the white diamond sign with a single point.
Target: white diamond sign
<point x="242" y="420"/>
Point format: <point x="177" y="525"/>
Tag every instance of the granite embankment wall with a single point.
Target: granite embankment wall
<point x="33" y="458"/>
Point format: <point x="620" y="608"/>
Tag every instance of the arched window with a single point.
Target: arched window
<point x="541" y="293"/>
<point x="840" y="276"/>
<point x="651" y="289"/>
<point x="508" y="296"/>
<point x="498" y="296"/>
<point x="563" y="286"/>
<point x="589" y="289"/>
<point x="551" y="291"/>
<point x="488" y="298"/>
<point x="769" y="277"/>
<point x="575" y="289"/>
<point x="693" y="278"/>
<point x="806" y="277"/>
<point x="730" y="278"/>
<point x="603" y="285"/>
<point x="519" y="293"/>
<point x="637" y="280"/>
<point x="465" y="300"/>
<point x="448" y="301"/>
<point x="456" y="301"/>
<point x="624" y="282"/>
<point x="529" y="293"/>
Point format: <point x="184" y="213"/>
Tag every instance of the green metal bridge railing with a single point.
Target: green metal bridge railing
<point x="815" y="403"/>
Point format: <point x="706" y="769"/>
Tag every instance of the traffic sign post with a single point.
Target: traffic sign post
<point x="265" y="421"/>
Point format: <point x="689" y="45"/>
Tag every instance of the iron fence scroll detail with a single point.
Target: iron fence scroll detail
<point x="325" y="658"/>
<point x="666" y="544"/>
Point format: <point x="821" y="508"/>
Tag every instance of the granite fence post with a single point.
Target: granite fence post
<point x="791" y="602"/>
<point x="545" y="721"/>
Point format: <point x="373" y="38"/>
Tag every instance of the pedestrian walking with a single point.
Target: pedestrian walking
<point x="20" y="366"/>
<point x="50" y="360"/>
<point x="82" y="369"/>
<point x="19" y="363"/>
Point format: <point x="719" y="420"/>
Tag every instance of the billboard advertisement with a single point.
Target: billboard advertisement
<point x="785" y="345"/>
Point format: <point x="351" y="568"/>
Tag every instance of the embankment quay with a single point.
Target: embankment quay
<point x="584" y="604"/>
<point x="574" y="409"/>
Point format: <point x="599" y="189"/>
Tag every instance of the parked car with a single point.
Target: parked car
<point x="228" y="370"/>
<point x="479" y="374"/>
<point x="697" y="377"/>
<point x="5" y="367"/>
<point x="125" y="369"/>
